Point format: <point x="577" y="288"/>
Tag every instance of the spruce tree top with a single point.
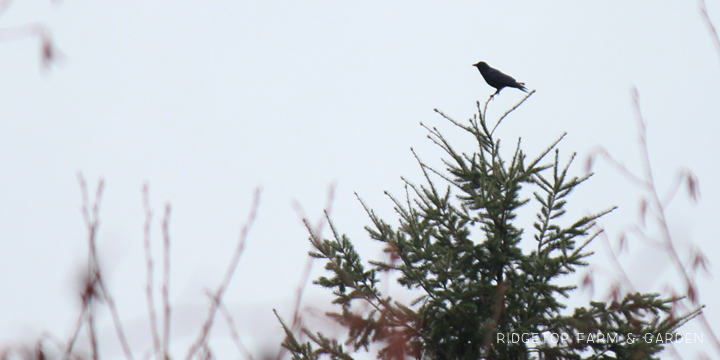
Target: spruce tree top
<point x="480" y="296"/>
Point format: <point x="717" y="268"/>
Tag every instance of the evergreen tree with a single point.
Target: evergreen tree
<point x="480" y="295"/>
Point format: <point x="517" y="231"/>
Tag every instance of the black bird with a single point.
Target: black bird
<point x="497" y="79"/>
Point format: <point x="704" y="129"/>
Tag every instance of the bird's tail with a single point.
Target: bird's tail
<point x="521" y="86"/>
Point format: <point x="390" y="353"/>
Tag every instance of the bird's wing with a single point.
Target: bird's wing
<point x="501" y="77"/>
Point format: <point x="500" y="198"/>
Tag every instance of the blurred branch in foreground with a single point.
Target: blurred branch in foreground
<point x="653" y="206"/>
<point x="711" y="27"/>
<point x="49" y="53"/>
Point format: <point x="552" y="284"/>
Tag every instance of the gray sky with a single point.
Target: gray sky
<point x="207" y="100"/>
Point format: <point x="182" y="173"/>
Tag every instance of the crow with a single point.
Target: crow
<point x="497" y="79"/>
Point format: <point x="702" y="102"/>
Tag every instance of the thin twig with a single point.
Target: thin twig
<point x="618" y="166"/>
<point x="614" y="258"/>
<point x="509" y="111"/>
<point x="683" y="175"/>
<point x="48" y="52"/>
<point x="92" y="333"/>
<point x="116" y="321"/>
<point x="149" y="272"/>
<point x="711" y="28"/>
<point x="76" y="332"/>
<point x="234" y="332"/>
<point x="655" y="243"/>
<point x="57" y="342"/>
<point x="92" y="223"/>
<point x="166" y="283"/>
<point x="200" y="343"/>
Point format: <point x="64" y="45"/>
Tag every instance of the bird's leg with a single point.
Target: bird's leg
<point x="493" y="95"/>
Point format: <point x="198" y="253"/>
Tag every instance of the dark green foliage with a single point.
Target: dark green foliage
<point x="459" y="247"/>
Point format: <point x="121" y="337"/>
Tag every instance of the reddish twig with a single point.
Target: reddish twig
<point x="76" y="332"/>
<point x="234" y="332"/>
<point x="91" y="216"/>
<point x="684" y="175"/>
<point x="616" y="264"/>
<point x="149" y="274"/>
<point x="620" y="167"/>
<point x="48" y="52"/>
<point x="166" y="283"/>
<point x="200" y="343"/>
<point x="48" y="336"/>
<point x="711" y="28"/>
<point x="92" y="333"/>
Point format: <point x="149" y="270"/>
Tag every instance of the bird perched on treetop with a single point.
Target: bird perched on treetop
<point x="497" y="79"/>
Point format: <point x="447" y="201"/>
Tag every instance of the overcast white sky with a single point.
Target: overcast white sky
<point x="207" y="100"/>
